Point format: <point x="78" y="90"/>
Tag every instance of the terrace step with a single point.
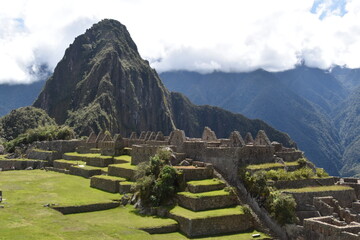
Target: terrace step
<point x="196" y="173"/>
<point x="91" y="159"/>
<point x="94" y="150"/>
<point x="125" y="187"/>
<point x="206" y="185"/>
<point x="122" y="159"/>
<point x="206" y="200"/>
<point x="66" y="164"/>
<point x="124" y="170"/>
<point x="85" y="171"/>
<point x="106" y="183"/>
<point x="211" y="222"/>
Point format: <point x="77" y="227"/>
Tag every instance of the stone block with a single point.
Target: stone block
<point x="85" y="172"/>
<point x="106" y="183"/>
<point x="193" y="202"/>
<point x="121" y="171"/>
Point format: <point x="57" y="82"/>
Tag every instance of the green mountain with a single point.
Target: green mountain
<point x="103" y="83"/>
<point x="297" y="101"/>
<point x="22" y="119"/>
<point x="348" y="122"/>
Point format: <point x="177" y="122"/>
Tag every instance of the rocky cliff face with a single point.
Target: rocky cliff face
<point x="103" y="83"/>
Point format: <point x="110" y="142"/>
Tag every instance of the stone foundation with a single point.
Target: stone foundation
<point x="22" y="164"/>
<point x="84" y="172"/>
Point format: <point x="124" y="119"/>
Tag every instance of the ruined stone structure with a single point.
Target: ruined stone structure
<point x="329" y="214"/>
<point x="225" y="154"/>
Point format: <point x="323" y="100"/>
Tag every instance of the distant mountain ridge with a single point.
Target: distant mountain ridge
<point x="19" y="95"/>
<point x="103" y="83"/>
<point x="300" y="102"/>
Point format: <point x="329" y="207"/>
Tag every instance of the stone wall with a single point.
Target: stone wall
<point x="22" y="164"/>
<point x="290" y="156"/>
<point x="39" y="154"/>
<point x="328" y="228"/>
<point x="355" y="186"/>
<point x="304" y="183"/>
<point x="345" y="197"/>
<point x="224" y="160"/>
<point x="256" y="155"/>
<point x="61" y="146"/>
<point x="142" y="153"/>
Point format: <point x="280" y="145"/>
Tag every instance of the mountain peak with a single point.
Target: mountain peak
<point x="102" y="83"/>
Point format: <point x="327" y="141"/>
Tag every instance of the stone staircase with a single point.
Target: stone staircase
<point x="107" y="173"/>
<point x="208" y="207"/>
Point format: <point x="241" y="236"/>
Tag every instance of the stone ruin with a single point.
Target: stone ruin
<point x="208" y="135"/>
<point x="226" y="154"/>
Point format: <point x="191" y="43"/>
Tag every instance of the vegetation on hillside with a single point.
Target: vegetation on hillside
<point x="43" y="133"/>
<point x="157" y="181"/>
<point x="348" y="121"/>
<point x="280" y="205"/>
<point x="21" y="120"/>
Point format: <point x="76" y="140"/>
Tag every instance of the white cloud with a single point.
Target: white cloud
<point x="201" y="35"/>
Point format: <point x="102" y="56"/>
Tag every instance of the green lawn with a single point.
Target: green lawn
<point x="24" y="216"/>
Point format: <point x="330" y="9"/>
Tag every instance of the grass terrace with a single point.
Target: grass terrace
<point x="125" y="165"/>
<point x="21" y="159"/>
<point x="180" y="211"/>
<point x="40" y="150"/>
<point x="318" y="189"/>
<point x="86" y="167"/>
<point x="113" y="178"/>
<point x="266" y="166"/>
<point x="24" y="216"/>
<point x="87" y="155"/>
<point x="78" y="162"/>
<point x="205" y="194"/>
<point x="205" y="182"/>
<point x="123" y="157"/>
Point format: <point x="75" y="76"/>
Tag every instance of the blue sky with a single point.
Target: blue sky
<point x="337" y="6"/>
<point x="201" y="35"/>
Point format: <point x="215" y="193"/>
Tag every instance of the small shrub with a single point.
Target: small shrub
<point x="157" y="181"/>
<point x="246" y="209"/>
<point x="321" y="173"/>
<point x="282" y="207"/>
<point x="302" y="162"/>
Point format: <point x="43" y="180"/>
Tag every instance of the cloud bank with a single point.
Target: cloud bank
<point x="201" y="35"/>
